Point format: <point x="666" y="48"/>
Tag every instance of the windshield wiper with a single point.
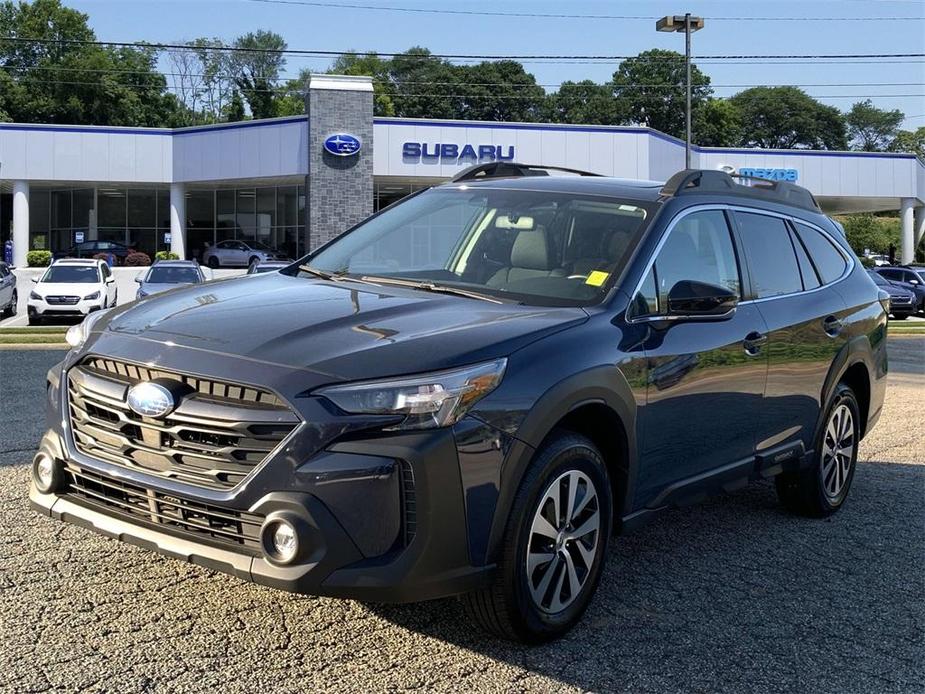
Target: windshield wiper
<point x="431" y="287"/>
<point x="323" y="274"/>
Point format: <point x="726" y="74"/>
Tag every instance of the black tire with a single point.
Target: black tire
<point x="507" y="608"/>
<point x="14" y="304"/>
<point x="10" y="310"/>
<point x="213" y="262"/>
<point x="900" y="317"/>
<point x="253" y="261"/>
<point x="35" y="320"/>
<point x="806" y="492"/>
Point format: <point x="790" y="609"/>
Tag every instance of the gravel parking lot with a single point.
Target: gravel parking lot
<point x="730" y="596"/>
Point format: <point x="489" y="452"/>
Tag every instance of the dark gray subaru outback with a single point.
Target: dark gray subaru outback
<point x="472" y="391"/>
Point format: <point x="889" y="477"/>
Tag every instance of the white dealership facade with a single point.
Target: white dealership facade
<point x="181" y="189"/>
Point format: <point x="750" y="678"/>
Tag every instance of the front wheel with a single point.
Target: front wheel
<point x="554" y="545"/>
<point x="10" y="310"/>
<point x="821" y="489"/>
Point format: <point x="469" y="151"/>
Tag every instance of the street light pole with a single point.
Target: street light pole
<point x="688" y="25"/>
<point x="687" y="67"/>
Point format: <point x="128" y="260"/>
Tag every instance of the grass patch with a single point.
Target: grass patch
<point x="32" y="340"/>
<point x="37" y="330"/>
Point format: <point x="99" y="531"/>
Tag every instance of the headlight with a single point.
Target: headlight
<point x="91" y="297"/>
<point x="433" y="400"/>
<point x="76" y="335"/>
<point x="35" y="295"/>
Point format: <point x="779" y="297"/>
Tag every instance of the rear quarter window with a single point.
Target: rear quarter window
<point x="829" y="261"/>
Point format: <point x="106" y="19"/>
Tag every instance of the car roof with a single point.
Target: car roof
<point x="175" y="263"/>
<point x="589" y="185"/>
<point x="77" y="261"/>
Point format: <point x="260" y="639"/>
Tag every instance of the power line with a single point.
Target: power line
<point x="545" y="15"/>
<point x="448" y="56"/>
<point x="679" y="85"/>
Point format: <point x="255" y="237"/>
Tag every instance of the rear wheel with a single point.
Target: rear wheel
<point x="212" y="262"/>
<point x="554" y="545"/>
<point x="821" y="489"/>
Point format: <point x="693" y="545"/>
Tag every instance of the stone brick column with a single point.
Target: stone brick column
<point x="339" y="189"/>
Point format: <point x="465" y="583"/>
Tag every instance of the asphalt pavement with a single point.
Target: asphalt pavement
<point x="733" y="595"/>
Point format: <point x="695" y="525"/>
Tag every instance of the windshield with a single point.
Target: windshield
<point x="173" y="275"/>
<point x="72" y="274"/>
<point x="878" y="280"/>
<point x="529" y="246"/>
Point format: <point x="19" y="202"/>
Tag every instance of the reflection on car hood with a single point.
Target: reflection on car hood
<point x="351" y="330"/>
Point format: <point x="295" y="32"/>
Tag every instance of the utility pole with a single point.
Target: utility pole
<point x="687" y="24"/>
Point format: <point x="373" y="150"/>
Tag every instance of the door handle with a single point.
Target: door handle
<point x="832" y="326"/>
<point x="753" y="343"/>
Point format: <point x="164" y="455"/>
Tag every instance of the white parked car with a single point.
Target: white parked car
<point x="239" y="254"/>
<point x="72" y="288"/>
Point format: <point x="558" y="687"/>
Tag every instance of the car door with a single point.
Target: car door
<point x="792" y="269"/>
<point x="705" y="377"/>
<point x="7" y="283"/>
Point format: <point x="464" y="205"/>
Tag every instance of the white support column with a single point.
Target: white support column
<point x="905" y="220"/>
<point x="918" y="226"/>
<point x="20" y="222"/>
<point x="178" y="219"/>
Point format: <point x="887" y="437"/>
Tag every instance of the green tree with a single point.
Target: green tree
<point x="910" y="141"/>
<point x="256" y="68"/>
<point x="80" y="83"/>
<point x="371" y="65"/>
<point x="872" y="129"/>
<point x="650" y="90"/>
<point x="582" y="102"/>
<point x="717" y="123"/>
<point x="234" y="110"/>
<point x="788" y="118"/>
<point x="866" y="232"/>
<point x="425" y="86"/>
<point x="499" y="90"/>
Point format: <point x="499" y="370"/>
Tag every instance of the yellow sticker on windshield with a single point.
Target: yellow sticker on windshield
<point x="597" y="278"/>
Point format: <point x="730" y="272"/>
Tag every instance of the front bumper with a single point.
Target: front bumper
<point x="368" y="535"/>
<point x="83" y="307"/>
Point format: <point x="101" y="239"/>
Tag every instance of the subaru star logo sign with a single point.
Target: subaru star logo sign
<point x="150" y="399"/>
<point x="342" y="144"/>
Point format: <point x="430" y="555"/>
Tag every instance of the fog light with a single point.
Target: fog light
<point x="280" y="540"/>
<point x="46" y="474"/>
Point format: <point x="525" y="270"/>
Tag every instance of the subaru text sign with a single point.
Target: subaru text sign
<point x="342" y="144"/>
<point x="791" y="175"/>
<point x="452" y="153"/>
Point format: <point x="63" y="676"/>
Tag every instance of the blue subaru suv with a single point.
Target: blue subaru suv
<point x="475" y="390"/>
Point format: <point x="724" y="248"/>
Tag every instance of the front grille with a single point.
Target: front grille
<point x="180" y="516"/>
<point x="61" y="300"/>
<point x="901" y="300"/>
<point x="215" y="436"/>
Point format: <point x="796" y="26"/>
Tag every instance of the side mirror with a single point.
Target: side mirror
<point x="692" y="299"/>
<point x="35" y="280"/>
<point x="110" y="279"/>
<point x="138" y="279"/>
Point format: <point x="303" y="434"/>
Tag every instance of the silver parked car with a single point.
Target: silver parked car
<point x="239" y="254"/>
<point x="168" y="274"/>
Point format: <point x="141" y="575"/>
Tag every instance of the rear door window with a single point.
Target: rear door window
<point x="828" y="260"/>
<point x="772" y="262"/>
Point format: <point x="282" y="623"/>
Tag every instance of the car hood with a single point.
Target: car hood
<point x="80" y="289"/>
<point x="154" y="288"/>
<point x="347" y="330"/>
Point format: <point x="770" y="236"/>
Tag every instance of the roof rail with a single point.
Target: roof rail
<point x="694" y="181"/>
<point x="510" y="169"/>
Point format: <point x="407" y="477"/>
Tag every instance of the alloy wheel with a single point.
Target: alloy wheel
<point x="563" y="541"/>
<point x="838" y="446"/>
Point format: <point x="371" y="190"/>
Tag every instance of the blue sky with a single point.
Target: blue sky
<point x="324" y="28"/>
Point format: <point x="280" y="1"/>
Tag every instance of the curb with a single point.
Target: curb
<point x="27" y="346"/>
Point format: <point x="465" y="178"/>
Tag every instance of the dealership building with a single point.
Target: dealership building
<point x="292" y="183"/>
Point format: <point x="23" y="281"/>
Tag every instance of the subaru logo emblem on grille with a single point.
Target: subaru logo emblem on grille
<point x="342" y="144"/>
<point x="150" y="399"/>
